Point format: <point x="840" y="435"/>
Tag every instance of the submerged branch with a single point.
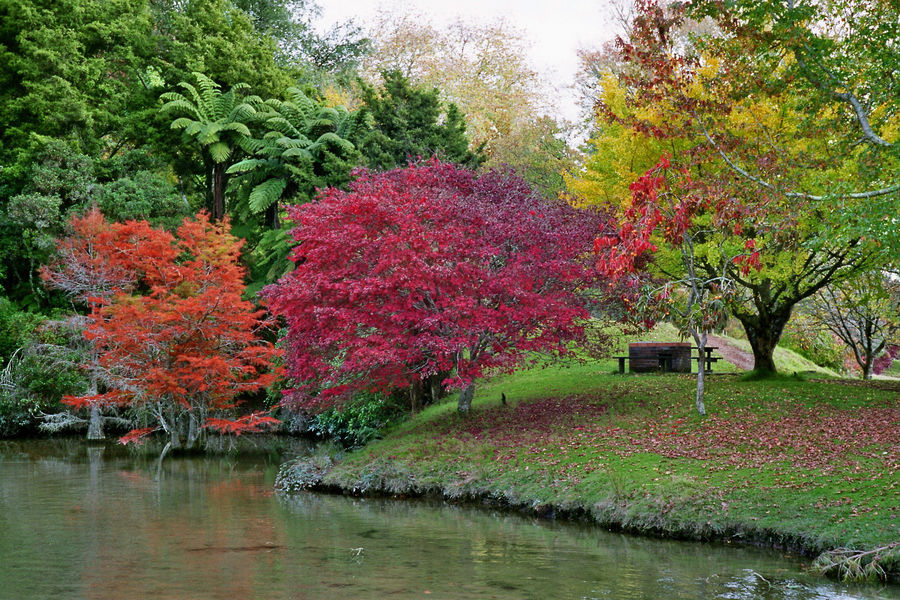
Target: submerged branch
<point x="857" y="565"/>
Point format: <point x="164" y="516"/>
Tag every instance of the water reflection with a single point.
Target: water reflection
<point x="81" y="521"/>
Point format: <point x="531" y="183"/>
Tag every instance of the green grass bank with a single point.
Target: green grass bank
<point x="806" y="465"/>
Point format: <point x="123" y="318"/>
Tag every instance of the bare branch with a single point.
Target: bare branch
<point x="769" y="186"/>
<point x="862" y="119"/>
<point x="861" y="116"/>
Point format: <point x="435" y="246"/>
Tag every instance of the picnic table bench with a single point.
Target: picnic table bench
<point x="645" y="357"/>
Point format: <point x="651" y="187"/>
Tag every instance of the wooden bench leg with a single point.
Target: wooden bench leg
<point x="621" y="366"/>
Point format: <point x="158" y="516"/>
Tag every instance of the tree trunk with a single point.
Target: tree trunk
<point x="871" y="348"/>
<point x="763" y="332"/>
<point x="95" y="427"/>
<point x="185" y="428"/>
<point x="416" y="392"/>
<point x="701" y="384"/>
<point x="763" y="347"/>
<point x="208" y="169"/>
<point x="465" y="399"/>
<point x="162" y="455"/>
<point x="175" y="439"/>
<point x="700" y="339"/>
<point x="177" y="431"/>
<point x="194" y="430"/>
<point x="271" y="217"/>
<point x="867" y="368"/>
<point x="218" y="192"/>
<point x="434" y="387"/>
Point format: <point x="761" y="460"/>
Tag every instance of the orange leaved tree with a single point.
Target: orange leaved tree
<point x="171" y="334"/>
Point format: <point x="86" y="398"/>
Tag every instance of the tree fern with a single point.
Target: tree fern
<point x="217" y="122"/>
<point x="304" y="148"/>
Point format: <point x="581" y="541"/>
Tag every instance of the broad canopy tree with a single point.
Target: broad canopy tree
<point x="430" y="276"/>
<point x="483" y="69"/>
<point x="744" y="116"/>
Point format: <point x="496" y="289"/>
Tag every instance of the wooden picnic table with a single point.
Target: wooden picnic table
<point x="708" y="349"/>
<point x="666" y="357"/>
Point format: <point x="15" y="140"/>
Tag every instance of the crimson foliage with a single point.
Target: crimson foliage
<point x="430" y="270"/>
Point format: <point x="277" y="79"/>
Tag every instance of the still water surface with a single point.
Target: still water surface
<point x="89" y="522"/>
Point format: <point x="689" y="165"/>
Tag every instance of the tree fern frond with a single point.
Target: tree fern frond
<point x="181" y="123"/>
<point x="168" y="96"/>
<point x="237" y="127"/>
<point x="193" y="129"/>
<point x="274" y="104"/>
<point x="350" y="124"/>
<point x="297" y="153"/>
<point x="328" y="114"/>
<point x="248" y="164"/>
<point x="208" y="134"/>
<point x="332" y="138"/>
<point x="324" y="123"/>
<point x="282" y="126"/>
<point x="291" y="113"/>
<point x="241" y="112"/>
<point x="294" y="142"/>
<point x="266" y="194"/>
<point x="181" y="105"/>
<point x="219" y="152"/>
<point x="301" y="100"/>
<point x="224" y="106"/>
<point x="256" y="102"/>
<point x="298" y="114"/>
<point x="251" y="145"/>
<point x="210" y="91"/>
<point x="196" y="99"/>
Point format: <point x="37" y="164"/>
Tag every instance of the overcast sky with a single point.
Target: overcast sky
<point x="555" y="28"/>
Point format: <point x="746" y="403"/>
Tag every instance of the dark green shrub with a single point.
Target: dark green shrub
<point x="16" y="328"/>
<point x="359" y="421"/>
<point x="42" y="369"/>
<point x="144" y="195"/>
<point x="18" y="415"/>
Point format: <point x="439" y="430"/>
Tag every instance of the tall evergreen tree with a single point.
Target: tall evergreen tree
<point x="410" y="123"/>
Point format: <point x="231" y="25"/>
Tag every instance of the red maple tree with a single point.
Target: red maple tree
<point x="430" y="276"/>
<point x="172" y="335"/>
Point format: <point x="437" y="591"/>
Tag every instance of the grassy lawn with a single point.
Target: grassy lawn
<point x="811" y="465"/>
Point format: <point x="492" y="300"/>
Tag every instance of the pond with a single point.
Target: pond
<point x="79" y="521"/>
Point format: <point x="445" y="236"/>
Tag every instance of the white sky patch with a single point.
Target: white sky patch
<point x="555" y="29"/>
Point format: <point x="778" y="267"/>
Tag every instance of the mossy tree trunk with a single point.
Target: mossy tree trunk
<point x="464" y="404"/>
